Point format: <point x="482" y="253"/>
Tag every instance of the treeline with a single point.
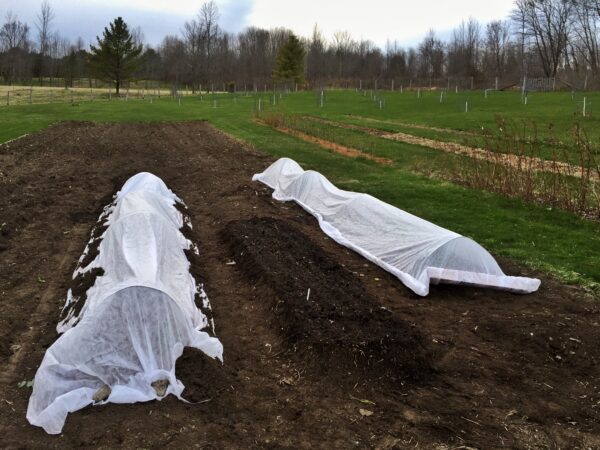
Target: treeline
<point x="556" y="40"/>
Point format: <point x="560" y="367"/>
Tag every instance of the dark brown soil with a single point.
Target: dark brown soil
<point x="509" y="371"/>
<point x="79" y="287"/>
<point x="321" y="308"/>
<point x="196" y="266"/>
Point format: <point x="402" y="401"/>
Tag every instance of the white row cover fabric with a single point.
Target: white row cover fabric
<point x="137" y="318"/>
<point x="414" y="250"/>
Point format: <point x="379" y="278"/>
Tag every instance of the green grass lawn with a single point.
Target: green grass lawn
<point x="556" y="242"/>
<point x="549" y="115"/>
<point x="560" y="109"/>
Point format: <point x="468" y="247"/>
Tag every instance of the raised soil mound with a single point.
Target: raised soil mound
<point x="321" y="306"/>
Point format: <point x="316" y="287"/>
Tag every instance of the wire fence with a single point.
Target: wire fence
<point x="20" y="95"/>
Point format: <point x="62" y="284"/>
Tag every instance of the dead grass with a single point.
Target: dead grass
<point x="524" y="174"/>
<point x="518" y="160"/>
<point x="511" y="162"/>
<point x="26" y="95"/>
<point x="411" y="125"/>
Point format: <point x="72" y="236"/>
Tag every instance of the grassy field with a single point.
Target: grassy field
<point x="547" y="117"/>
<point x="543" y="238"/>
<point x="460" y="117"/>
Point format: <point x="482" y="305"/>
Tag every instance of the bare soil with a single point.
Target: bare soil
<point x="361" y="363"/>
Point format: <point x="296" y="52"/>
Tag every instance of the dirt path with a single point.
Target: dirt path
<point x="470" y="367"/>
<point x="411" y="125"/>
<point x="525" y="163"/>
<point x="333" y="146"/>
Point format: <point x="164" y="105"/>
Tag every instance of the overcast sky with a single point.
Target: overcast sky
<point x="377" y="20"/>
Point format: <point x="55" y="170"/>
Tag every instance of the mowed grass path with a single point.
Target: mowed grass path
<point x="554" y="241"/>
<point x="547" y="116"/>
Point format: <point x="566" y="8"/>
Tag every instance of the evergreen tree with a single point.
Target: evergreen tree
<point x="290" y="61"/>
<point x="117" y="55"/>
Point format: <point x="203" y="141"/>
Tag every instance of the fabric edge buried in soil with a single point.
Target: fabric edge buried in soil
<point x="321" y="308"/>
<point x="137" y="317"/>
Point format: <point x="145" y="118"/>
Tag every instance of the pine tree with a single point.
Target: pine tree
<point x="117" y="55"/>
<point x="290" y="61"/>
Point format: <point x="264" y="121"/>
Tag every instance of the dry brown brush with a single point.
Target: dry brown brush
<point x="537" y="171"/>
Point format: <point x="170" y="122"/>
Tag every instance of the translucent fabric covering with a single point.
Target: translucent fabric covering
<point x="414" y="250"/>
<point x="137" y="317"/>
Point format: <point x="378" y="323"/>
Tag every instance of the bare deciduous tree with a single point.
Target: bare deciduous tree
<point x="547" y="23"/>
<point x="192" y="35"/>
<point x="586" y="15"/>
<point x="315" y="57"/>
<point x="395" y="60"/>
<point x="14" y="49"/>
<point x="208" y="18"/>
<point x="431" y="52"/>
<point x="464" y="49"/>
<point x="497" y="39"/>
<point x="44" y="28"/>
<point x="173" y="53"/>
<point x="43" y="24"/>
<point x="545" y="37"/>
<point x="343" y="44"/>
<point x="14" y="33"/>
<point x="254" y="53"/>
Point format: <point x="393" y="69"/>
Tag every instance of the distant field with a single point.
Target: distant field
<point x="393" y="111"/>
<point x="25" y="95"/>
<point x="552" y="113"/>
<point x="417" y="179"/>
<point x="545" y="108"/>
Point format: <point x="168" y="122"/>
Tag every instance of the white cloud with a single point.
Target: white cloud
<point x="179" y="7"/>
<point x="157" y="18"/>
<point x="377" y="20"/>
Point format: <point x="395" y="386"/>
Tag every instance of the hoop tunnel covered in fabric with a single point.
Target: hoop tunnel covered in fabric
<point x="417" y="252"/>
<point x="137" y="318"/>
